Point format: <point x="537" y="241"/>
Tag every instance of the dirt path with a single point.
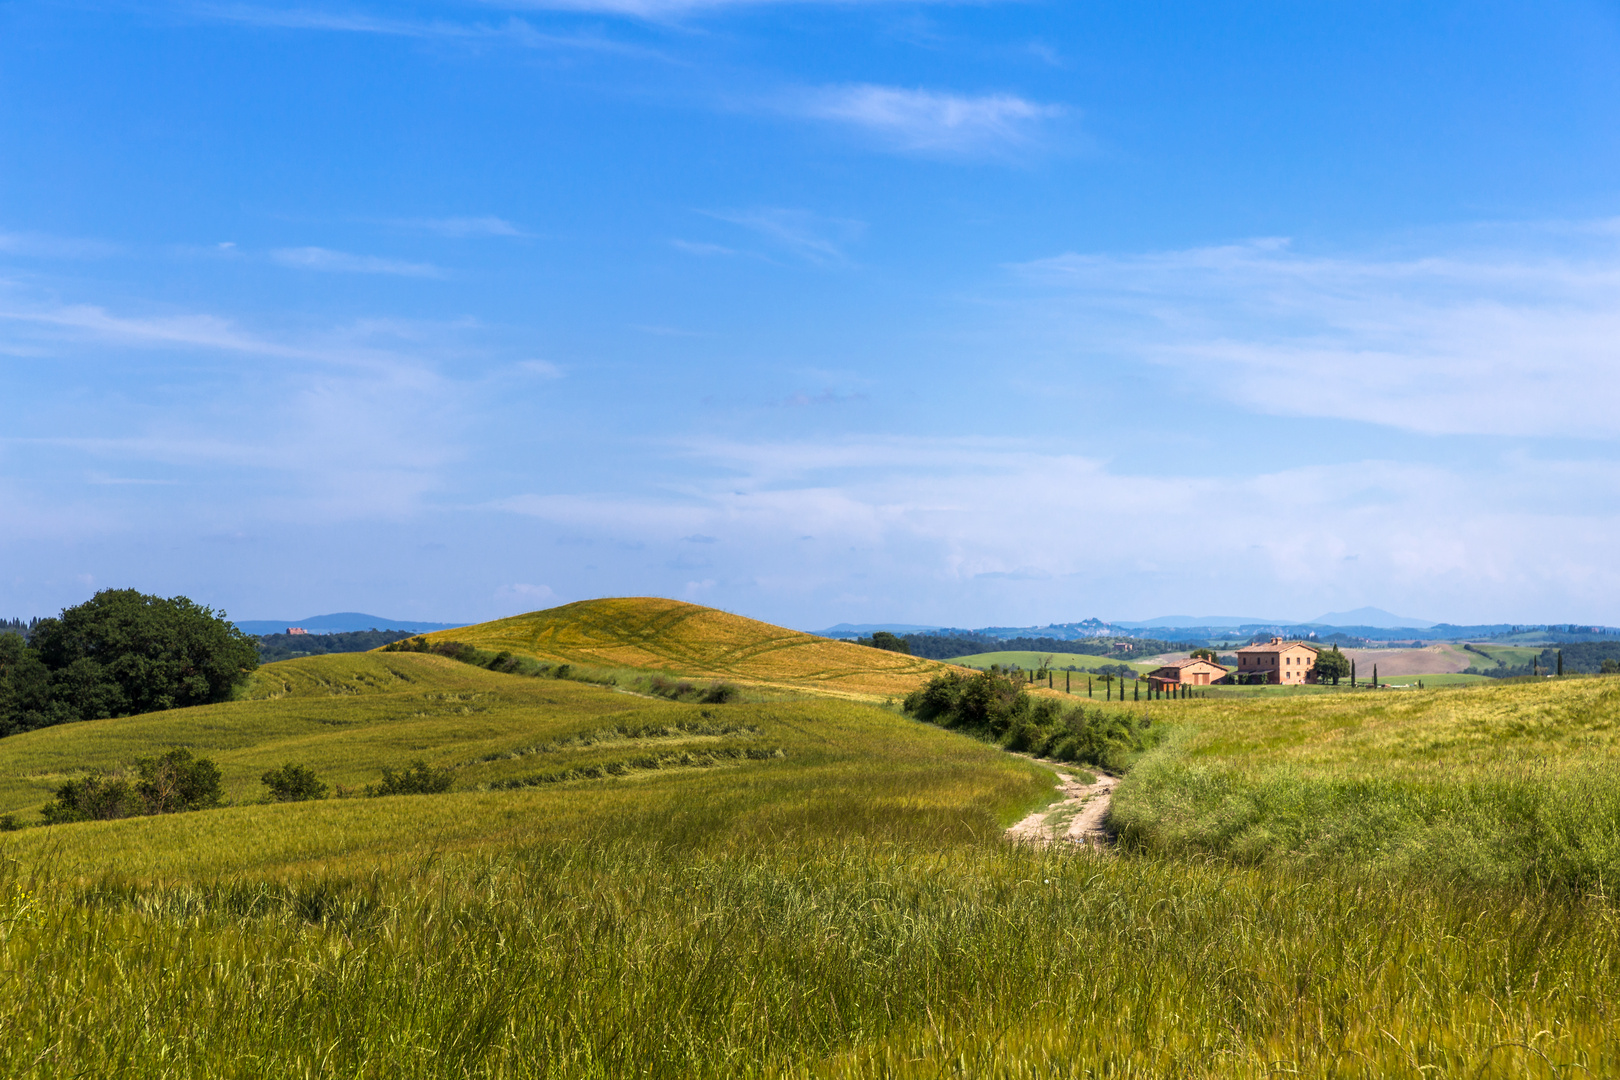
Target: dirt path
<point x="1077" y="818"/>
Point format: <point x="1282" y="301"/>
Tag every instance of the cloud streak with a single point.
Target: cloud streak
<point x="807" y="236"/>
<point x="1485" y="341"/>
<point x="929" y="121"/>
<point x="461" y="228"/>
<point x="515" y="32"/>
<point x="328" y="261"/>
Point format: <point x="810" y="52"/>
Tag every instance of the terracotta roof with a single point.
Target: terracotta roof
<point x="1278" y="646"/>
<point x="1190" y="661"/>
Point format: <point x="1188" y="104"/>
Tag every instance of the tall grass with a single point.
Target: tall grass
<point x="1497" y="784"/>
<point x="618" y="955"/>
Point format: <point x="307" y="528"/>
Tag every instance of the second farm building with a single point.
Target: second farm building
<point x="1286" y="663"/>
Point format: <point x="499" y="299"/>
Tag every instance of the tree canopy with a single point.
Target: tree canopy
<point x="1332" y="665"/>
<point x="885" y="641"/>
<point x="118" y="654"/>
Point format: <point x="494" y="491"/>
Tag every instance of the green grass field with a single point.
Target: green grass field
<point x="1407" y="883"/>
<point x="1080" y="662"/>
<point x="1512" y="655"/>
<point x="1482" y="783"/>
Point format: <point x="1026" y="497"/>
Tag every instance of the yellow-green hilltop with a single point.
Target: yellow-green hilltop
<point x="680" y="843"/>
<point x="691" y="641"/>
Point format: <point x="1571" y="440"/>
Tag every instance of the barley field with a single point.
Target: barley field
<point x="1487" y="783"/>
<point x="653" y="634"/>
<point x="1410" y="884"/>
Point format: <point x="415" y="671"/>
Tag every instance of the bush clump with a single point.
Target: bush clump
<point x="995" y="706"/>
<point x="417" y="778"/>
<point x="503" y="661"/>
<point x="293" y="783"/>
<point x="716" y="693"/>
<point x="166" y="784"/>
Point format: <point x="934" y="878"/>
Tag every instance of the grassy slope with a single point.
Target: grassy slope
<point x="847" y="910"/>
<point x="651" y="634"/>
<point x="1487" y="782"/>
<point x="350" y="715"/>
<point x="1027" y="660"/>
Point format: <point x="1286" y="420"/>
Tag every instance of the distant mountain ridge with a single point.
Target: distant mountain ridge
<point x="1363" y="624"/>
<point x="1370" y="616"/>
<point x="342" y="622"/>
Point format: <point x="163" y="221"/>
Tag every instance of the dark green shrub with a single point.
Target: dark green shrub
<point x="293" y="783"/>
<point x="415" y="779"/>
<point x="167" y="784"/>
<point x="96" y="797"/>
<point x="993" y="706"/>
<point x="177" y="781"/>
<point x="720" y="693"/>
<point x="8" y="823"/>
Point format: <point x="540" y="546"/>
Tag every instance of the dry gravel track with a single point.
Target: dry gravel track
<point x="1077" y="818"/>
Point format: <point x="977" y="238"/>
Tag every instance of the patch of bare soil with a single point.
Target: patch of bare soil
<point x="1429" y="660"/>
<point x="1077" y="818"/>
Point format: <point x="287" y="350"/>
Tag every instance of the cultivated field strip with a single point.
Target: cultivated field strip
<point x="689" y="641"/>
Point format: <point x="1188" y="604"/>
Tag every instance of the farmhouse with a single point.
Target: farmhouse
<point x="1193" y="672"/>
<point x="1277" y="661"/>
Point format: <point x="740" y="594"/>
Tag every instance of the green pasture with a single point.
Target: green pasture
<point x="1512" y="655"/>
<point x="1453" y="679"/>
<point x="1488" y="783"/>
<point x="349" y="716"/>
<point x="1026" y="661"/>
<point x="1370" y="884"/>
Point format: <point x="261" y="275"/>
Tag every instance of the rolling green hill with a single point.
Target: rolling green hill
<point x="348" y="716"/>
<point x="653" y="634"/>
<point x="807" y="885"/>
<point x="1033" y="660"/>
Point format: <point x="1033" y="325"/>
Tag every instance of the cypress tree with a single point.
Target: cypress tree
<point x="1068" y="676"/>
<point x="1560" y="661"/>
<point x="1375" y="676"/>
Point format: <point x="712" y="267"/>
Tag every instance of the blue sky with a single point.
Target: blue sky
<point x="968" y="314"/>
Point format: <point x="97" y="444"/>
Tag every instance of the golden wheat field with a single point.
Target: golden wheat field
<point x="653" y="634"/>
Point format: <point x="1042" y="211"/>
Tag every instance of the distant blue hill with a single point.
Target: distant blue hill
<point x="342" y="622"/>
<point x="1370" y="616"/>
<point x="1178" y="621"/>
<point x="848" y="630"/>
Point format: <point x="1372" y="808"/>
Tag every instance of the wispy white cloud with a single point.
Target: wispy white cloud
<point x="458" y="228"/>
<point x="543" y="368"/>
<point x="513" y="31"/>
<point x="667" y="10"/>
<point x="811" y="237"/>
<point x="342" y="262"/>
<point x="43" y="245"/>
<point x="693" y="247"/>
<point x="910" y="511"/>
<point x="195" y="331"/>
<point x="1458" y="340"/>
<point x="929" y="121"/>
<point x="350" y="429"/>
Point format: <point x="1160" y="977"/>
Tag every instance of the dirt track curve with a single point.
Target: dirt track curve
<point x="1077" y="818"/>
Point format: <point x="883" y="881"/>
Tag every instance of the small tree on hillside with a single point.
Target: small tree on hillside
<point x="1205" y="654"/>
<point x="293" y="783"/>
<point x="178" y="781"/>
